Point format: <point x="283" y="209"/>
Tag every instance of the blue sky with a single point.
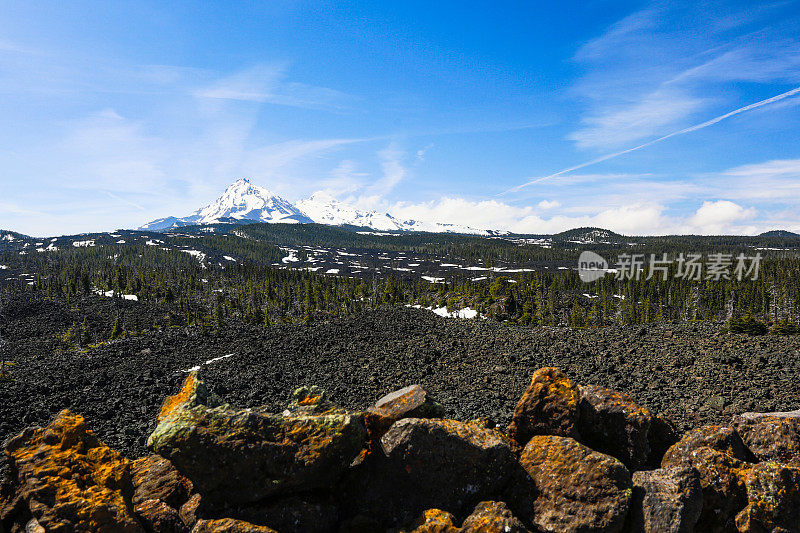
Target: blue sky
<point x="116" y="113"/>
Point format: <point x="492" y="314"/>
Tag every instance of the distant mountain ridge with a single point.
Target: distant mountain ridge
<point x="779" y="233"/>
<point x="244" y="202"/>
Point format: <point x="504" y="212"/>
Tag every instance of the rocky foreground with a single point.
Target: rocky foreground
<point x="687" y="372"/>
<point x="574" y="458"/>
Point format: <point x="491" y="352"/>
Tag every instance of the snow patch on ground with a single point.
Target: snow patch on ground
<point x="432" y="279"/>
<point x="83" y="244"/>
<point x="291" y="258"/>
<point x="467" y="312"/>
<point x="332" y="271"/>
<point x="214" y="360"/>
<point x="198" y="254"/>
<point x="110" y="294"/>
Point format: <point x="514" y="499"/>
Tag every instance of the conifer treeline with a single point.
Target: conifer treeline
<point x="257" y="293"/>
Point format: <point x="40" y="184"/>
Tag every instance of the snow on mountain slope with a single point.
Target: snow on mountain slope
<point x="240" y="201"/>
<point x="442" y="227"/>
<point x="247" y="202"/>
<point x="325" y="209"/>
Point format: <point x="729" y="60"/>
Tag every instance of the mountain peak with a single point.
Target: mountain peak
<point x="244" y="201"/>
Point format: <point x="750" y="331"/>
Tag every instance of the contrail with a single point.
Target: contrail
<point x="690" y="129"/>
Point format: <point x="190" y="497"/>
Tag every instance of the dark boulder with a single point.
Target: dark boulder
<point x="69" y="480"/>
<point x="549" y="406"/>
<point x="720" y="458"/>
<point x="771" y="438"/>
<point x="773" y="499"/>
<point x="666" y="500"/>
<point x="262" y="455"/>
<point x="579" y="489"/>
<point x="612" y="423"/>
<point x="430" y="463"/>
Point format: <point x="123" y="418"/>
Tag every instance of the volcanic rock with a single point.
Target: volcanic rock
<point x="229" y="525"/>
<point x="771" y="438"/>
<point x="719" y="438"/>
<point x="158" y="517"/>
<point x="409" y="402"/>
<point x="488" y="517"/>
<point x="435" y="521"/>
<point x="666" y="500"/>
<point x="773" y="499"/>
<point x="492" y="517"/>
<point x="70" y="481"/>
<point x="549" y="406"/>
<point x="579" y="489"/>
<point x="722" y="474"/>
<point x="194" y="392"/>
<point x="262" y="455"/>
<point x="612" y="423"/>
<point x="431" y="463"/>
<point x="155" y="478"/>
<point x="298" y="514"/>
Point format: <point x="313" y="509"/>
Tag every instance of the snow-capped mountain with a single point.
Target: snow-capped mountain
<point x="243" y="201"/>
<point x="325" y="209"/>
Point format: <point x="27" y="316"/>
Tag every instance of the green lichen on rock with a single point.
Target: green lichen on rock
<point x="262" y="455"/>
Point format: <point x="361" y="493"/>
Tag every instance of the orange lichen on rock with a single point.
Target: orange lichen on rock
<point x="488" y="517"/>
<point x="229" y="525"/>
<point x="264" y="454"/>
<point x="492" y="517"/>
<point x="773" y="499"/>
<point x="435" y="521"/>
<point x="719" y="456"/>
<point x="70" y="480"/>
<point x="176" y="401"/>
<point x="549" y="406"/>
<point x="579" y="489"/>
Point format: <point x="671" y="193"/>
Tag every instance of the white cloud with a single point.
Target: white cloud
<point x="422" y="151"/>
<point x="393" y="171"/>
<point x="636" y="218"/>
<point x="718" y="217"/>
<point x="777" y="180"/>
<point x="548" y="204"/>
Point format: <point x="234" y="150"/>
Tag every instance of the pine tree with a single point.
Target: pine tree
<point x="309" y="302"/>
<point x="86" y="335"/>
<point x="219" y="316"/>
<point x="116" y="330"/>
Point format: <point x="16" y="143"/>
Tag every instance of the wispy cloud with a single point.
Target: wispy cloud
<point x="268" y="84"/>
<point x="627" y="123"/>
<point x="657" y="68"/>
<point x="696" y="127"/>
